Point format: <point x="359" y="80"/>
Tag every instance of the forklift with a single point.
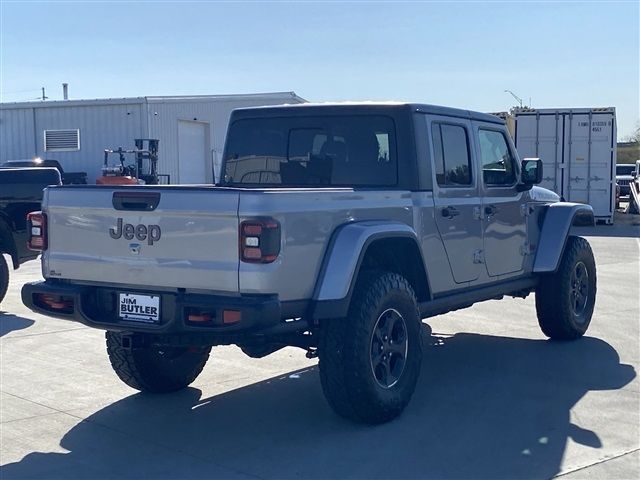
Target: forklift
<point x="144" y="170"/>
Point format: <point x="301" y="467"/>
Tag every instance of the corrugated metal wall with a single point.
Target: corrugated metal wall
<point x="113" y="123"/>
<point x="17" y="138"/>
<point x="163" y="118"/>
<point x="101" y="126"/>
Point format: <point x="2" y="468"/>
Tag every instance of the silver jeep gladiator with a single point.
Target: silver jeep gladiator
<point x="335" y="228"/>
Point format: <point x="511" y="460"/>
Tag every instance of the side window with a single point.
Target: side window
<point x="438" y="159"/>
<point x="452" y="159"/>
<point x="498" y="166"/>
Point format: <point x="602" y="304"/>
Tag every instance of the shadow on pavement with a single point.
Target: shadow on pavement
<point x="9" y="323"/>
<point x="485" y="407"/>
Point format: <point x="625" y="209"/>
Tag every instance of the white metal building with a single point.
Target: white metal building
<point x="191" y="130"/>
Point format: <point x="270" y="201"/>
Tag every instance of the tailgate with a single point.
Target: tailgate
<point x="189" y="240"/>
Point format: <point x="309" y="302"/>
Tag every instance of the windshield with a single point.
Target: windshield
<point x="311" y="151"/>
<point x="624" y="169"/>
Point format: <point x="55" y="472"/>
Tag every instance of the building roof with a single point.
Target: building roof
<point x="148" y="99"/>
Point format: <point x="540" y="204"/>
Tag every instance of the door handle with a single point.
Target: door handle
<point x="490" y="210"/>
<point x="449" y="212"/>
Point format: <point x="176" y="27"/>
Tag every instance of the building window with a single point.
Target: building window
<point x="61" y="140"/>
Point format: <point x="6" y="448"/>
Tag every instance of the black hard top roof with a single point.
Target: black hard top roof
<point x="365" y="107"/>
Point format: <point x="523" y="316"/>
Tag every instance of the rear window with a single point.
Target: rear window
<point x="311" y="151"/>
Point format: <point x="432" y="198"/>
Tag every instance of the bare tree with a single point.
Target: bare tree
<point x="634" y="137"/>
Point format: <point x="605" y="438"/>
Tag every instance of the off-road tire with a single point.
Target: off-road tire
<point x="556" y="301"/>
<point x="155" y="369"/>
<point x="4" y="277"/>
<point x="346" y="345"/>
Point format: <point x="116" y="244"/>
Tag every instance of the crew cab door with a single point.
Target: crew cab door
<point x="503" y="223"/>
<point x="455" y="186"/>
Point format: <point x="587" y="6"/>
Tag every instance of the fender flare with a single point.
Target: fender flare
<point x="556" y="227"/>
<point x="342" y="261"/>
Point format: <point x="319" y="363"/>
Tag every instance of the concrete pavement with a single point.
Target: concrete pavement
<point x="495" y="400"/>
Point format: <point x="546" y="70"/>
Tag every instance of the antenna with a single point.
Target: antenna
<point x="518" y="99"/>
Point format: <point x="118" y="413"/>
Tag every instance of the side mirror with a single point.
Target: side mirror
<point x="530" y="173"/>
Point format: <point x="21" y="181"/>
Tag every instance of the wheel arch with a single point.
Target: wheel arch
<point x="7" y="242"/>
<point x="391" y="246"/>
<point x="556" y="229"/>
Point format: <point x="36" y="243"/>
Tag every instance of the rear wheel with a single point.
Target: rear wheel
<point x="4" y="276"/>
<point x="370" y="361"/>
<point x="565" y="299"/>
<point x="155" y="369"/>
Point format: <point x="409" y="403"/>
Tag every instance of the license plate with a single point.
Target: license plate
<point x="139" y="308"/>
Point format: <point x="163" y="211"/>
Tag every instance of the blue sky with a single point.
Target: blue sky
<point x="462" y="54"/>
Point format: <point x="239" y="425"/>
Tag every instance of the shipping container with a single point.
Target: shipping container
<point x="578" y="149"/>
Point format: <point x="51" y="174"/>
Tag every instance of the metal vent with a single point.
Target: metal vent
<point x="61" y="140"/>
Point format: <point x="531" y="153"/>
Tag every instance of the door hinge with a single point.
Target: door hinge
<point x="526" y="249"/>
<point x="478" y="256"/>
<point x="478" y="213"/>
<point x="526" y="209"/>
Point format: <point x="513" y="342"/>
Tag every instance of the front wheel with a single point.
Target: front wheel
<point x="155" y="369"/>
<point x="566" y="298"/>
<point x="370" y="361"/>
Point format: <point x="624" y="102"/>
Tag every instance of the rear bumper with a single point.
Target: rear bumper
<point x="98" y="307"/>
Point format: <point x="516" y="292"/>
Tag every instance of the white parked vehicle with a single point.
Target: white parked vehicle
<point x="624" y="176"/>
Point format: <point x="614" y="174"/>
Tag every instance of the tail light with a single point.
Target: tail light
<point x="57" y="303"/>
<point x="259" y="240"/>
<point x="37" y="228"/>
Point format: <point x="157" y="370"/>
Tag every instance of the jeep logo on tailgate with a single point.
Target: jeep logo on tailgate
<point x="150" y="233"/>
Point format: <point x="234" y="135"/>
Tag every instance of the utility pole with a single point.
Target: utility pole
<point x="44" y="97"/>
<point x="518" y="99"/>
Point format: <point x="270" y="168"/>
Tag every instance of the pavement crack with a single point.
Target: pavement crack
<point x="6" y="422"/>
<point x="55" y="410"/>
<point x="16" y="337"/>
<point x="604" y="460"/>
